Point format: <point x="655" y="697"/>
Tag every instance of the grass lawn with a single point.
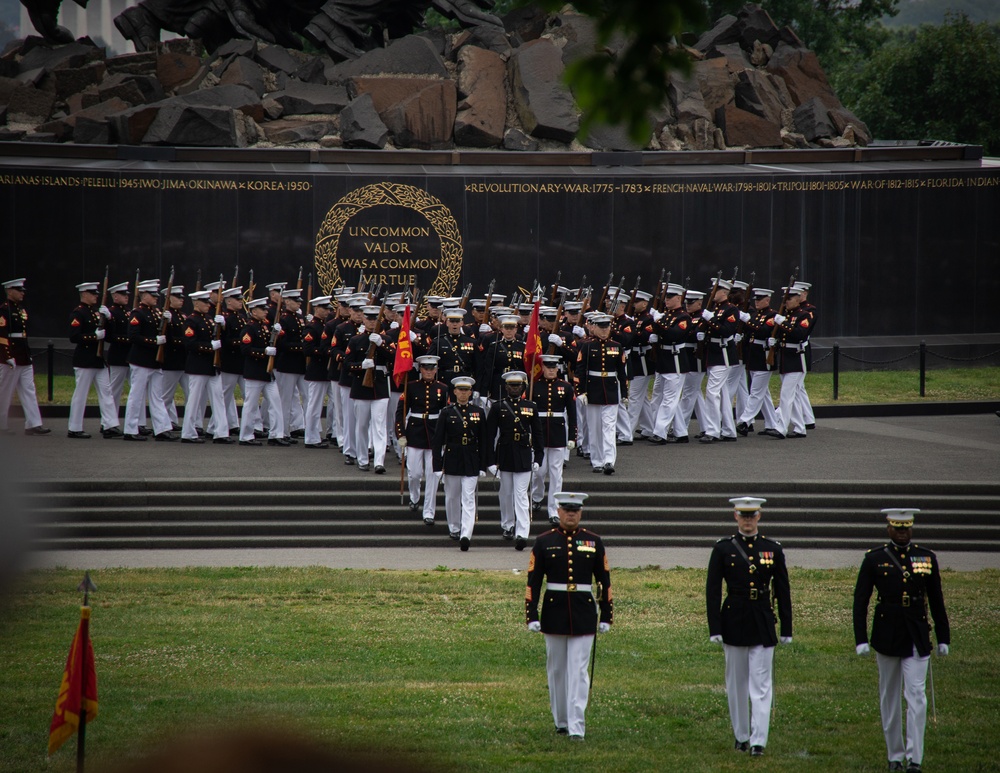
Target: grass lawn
<point x="438" y="664"/>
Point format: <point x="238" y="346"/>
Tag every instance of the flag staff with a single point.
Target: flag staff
<point x="86" y="585"/>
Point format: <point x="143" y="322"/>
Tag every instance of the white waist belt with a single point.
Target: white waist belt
<point x="721" y="341"/>
<point x="550" y="415"/>
<point x="412" y="415"/>
<point x="795" y="347"/>
<point x="564" y="587"/>
<point x="17" y="335"/>
<point x="672" y="348"/>
<point x="760" y="341"/>
<point x="602" y="374"/>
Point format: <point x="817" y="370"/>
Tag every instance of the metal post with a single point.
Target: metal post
<point x="51" y="352"/>
<point x="836" y="371"/>
<point x="923" y="366"/>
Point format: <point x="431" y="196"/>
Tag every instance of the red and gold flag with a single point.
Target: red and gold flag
<point x="403" y="363"/>
<point x="78" y="691"/>
<point x="533" y="346"/>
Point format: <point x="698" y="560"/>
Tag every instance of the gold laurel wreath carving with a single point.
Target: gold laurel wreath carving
<point x="392" y="194"/>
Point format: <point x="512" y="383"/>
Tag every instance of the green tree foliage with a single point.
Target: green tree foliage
<point x="937" y="82"/>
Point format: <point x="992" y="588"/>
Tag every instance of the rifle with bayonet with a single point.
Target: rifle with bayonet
<point x="555" y="288"/>
<point x="100" y="323"/>
<point x="135" y="291"/>
<point x="772" y="352"/>
<point x="217" y="334"/>
<point x="166" y="307"/>
<point x="614" y="301"/>
<point x="464" y="301"/>
<point x="702" y="349"/>
<point x="630" y="306"/>
<point x="657" y="302"/>
<point x="599" y="306"/>
<point x="745" y="309"/>
<point x="369" y="379"/>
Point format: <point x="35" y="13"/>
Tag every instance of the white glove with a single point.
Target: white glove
<point x="413" y="336"/>
<point x="11" y="362"/>
<point x="579" y="332"/>
<point x="476" y="395"/>
<point x="603" y="627"/>
<point x="216" y="344"/>
<point x="220" y="320"/>
<point x="394" y="325"/>
<point x="276" y="327"/>
<point x="161" y="340"/>
<point x="482" y="473"/>
<point x="402" y="442"/>
<point x="554" y="339"/>
<point x="571" y="445"/>
<point x="785" y="639"/>
<point x="526" y="329"/>
<point x="493" y="470"/>
<point x="167" y="316"/>
<point x="309" y="317"/>
<point x="700" y="336"/>
<point x="484" y="328"/>
<point x="367" y="364"/>
<point x="361" y="329"/>
<point x="717" y="639"/>
<point x="534" y="466"/>
<point x="625" y="402"/>
<point x="653" y="338"/>
<point x="942" y="649"/>
<point x="582" y="399"/>
<point x="863" y="649"/>
<point x="707" y="315"/>
<point x="738" y="337"/>
<point x="744" y="317"/>
<point x="99" y="334"/>
<point x="105" y="312"/>
<point x="271" y="351"/>
<point x="771" y="342"/>
<point x="299" y="311"/>
<point x="778" y="319"/>
<point x="375" y="338"/>
<point x="656" y="315"/>
<point x="535" y="627"/>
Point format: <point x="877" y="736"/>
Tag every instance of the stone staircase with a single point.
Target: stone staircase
<point x="366" y="512"/>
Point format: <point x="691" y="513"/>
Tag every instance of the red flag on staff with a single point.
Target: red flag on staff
<point x="533" y="346"/>
<point x="78" y="691"/>
<point x="404" y="350"/>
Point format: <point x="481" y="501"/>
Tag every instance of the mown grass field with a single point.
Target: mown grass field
<point x="438" y="665"/>
<point x="873" y="386"/>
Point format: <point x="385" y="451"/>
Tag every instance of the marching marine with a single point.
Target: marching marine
<point x="556" y="403"/>
<point x="87" y="331"/>
<point x="417" y="415"/>
<point x="16" y="370"/>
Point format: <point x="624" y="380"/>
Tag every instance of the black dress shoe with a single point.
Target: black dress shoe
<point x="78" y="435"/>
<point x="708" y="439"/>
<point x="414" y="506"/>
<point x="379" y="469"/>
<point x="250" y="443"/>
<point x="200" y="431"/>
<point x="535" y="506"/>
<point x="554" y="520"/>
<point x="609" y="469"/>
<point x="598" y="469"/>
<point x="742" y="428"/>
<point x="773" y="433"/>
<point x="810" y="426"/>
<point x="728" y="439"/>
<point x="913" y="767"/>
<point x="508" y="534"/>
<point x="658" y="441"/>
<point x="454" y="535"/>
<point x="519" y="543"/>
<point x="145" y="431"/>
<point x="222" y="441"/>
<point x="429" y="523"/>
<point x="192" y="440"/>
<point x="277" y="441"/>
<point x="756" y="751"/>
<point x="364" y="467"/>
<point x="317" y="445"/>
<point x="796" y="434"/>
<point x="464" y="543"/>
<point x="678" y="439"/>
<point x="135" y="438"/>
<point x="259" y="434"/>
<point x="165" y="437"/>
<point x="39" y="431"/>
<point x="175" y="427"/>
<point x="291" y="441"/>
<point x="297" y="433"/>
<point x="895" y="765"/>
<point x="562" y="731"/>
<point x="111" y="432"/>
<point x="742" y="746"/>
<point x="348" y="460"/>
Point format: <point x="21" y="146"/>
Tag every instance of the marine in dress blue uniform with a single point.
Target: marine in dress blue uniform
<point x="145" y="376"/>
<point x="753" y="569"/>
<point x="203" y="377"/>
<point x="255" y="345"/>
<point x="907" y="579"/>
<point x="556" y="403"/>
<point x="86" y="330"/>
<point x="415" y="423"/>
<point x="601" y="380"/>
<point x="570" y="560"/>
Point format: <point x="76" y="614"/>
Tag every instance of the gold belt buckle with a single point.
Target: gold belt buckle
<point x="571" y="586"/>
<point x="517" y="436"/>
<point x="604" y="374"/>
<point x="906" y="600"/>
<point x="753" y="594"/>
<point x="465" y="440"/>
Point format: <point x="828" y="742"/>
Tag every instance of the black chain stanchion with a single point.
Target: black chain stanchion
<point x="923" y="367"/>
<point x="50" y="351"/>
<point x="836" y="371"/>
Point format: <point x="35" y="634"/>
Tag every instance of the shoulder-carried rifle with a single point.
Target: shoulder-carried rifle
<point x="708" y="305"/>
<point x="135" y="291"/>
<point x="599" y="306"/>
<point x="278" y="311"/>
<point x="630" y="306"/>
<point x="103" y="301"/>
<point x="746" y="309"/>
<point x="369" y="379"/>
<point x="217" y="333"/>
<point x="772" y="352"/>
<point x="166" y="307"/>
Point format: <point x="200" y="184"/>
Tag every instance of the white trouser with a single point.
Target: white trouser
<point x="229" y="383"/>
<point x="789" y="410"/>
<point x="691" y="398"/>
<point x="460" y="503"/>
<point x="99" y="379"/>
<point x="169" y="381"/>
<point x="601" y="425"/>
<point x="750" y="692"/>
<point x="909" y="676"/>
<point x="200" y="390"/>
<point x="760" y="400"/>
<point x="667" y="396"/>
<point x="369" y="428"/>
<point x="333" y="412"/>
<point x="805" y="405"/>
<point x="641" y="410"/>
<point x="551" y="467"/>
<point x="117" y="375"/>
<point x="254" y="390"/>
<point x="315" y="393"/>
<point x="718" y="403"/>
<point x="145" y="386"/>
<point x="390" y="421"/>
<point x="582" y="428"/>
<point x="515" y="512"/>
<point x="289" y="385"/>
<point x="623" y="425"/>
<point x="566" y="661"/>
<point x="737" y="385"/>
<point x="420" y="463"/>
<point x="22" y="379"/>
<point x="348" y="422"/>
